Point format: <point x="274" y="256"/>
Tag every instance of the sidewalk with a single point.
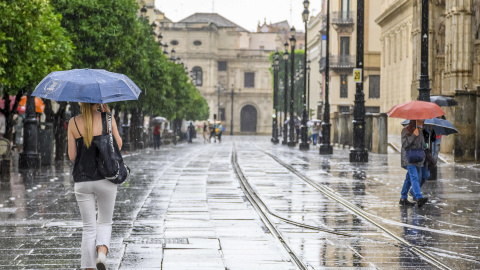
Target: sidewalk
<point x="181" y="209"/>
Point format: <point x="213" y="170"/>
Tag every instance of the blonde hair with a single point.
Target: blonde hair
<point x="87" y="112"/>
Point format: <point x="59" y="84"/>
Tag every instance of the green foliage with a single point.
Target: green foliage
<point x="109" y="35"/>
<point x="298" y="85"/>
<point x="32" y="44"/>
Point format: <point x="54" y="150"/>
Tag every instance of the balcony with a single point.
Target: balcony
<point x="342" y="18"/>
<point x="339" y="62"/>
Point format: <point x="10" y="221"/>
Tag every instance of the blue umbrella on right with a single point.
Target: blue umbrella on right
<point x="440" y="126"/>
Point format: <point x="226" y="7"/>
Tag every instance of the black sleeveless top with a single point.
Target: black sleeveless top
<point x="85" y="166"/>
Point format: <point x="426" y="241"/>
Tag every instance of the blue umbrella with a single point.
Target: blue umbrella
<point x="87" y="85"/>
<point x="440" y="126"/>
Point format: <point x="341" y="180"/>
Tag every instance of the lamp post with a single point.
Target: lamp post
<point x="304" y="130"/>
<point x="276" y="63"/>
<point x="232" y="93"/>
<point x="424" y="89"/>
<point x="172" y="55"/>
<point x="30" y="158"/>
<point x="165" y="47"/>
<point x="219" y="89"/>
<point x="285" y="95"/>
<point x="291" y="142"/>
<point x="308" y="88"/>
<point x="325" y="147"/>
<point x="358" y="153"/>
<point x="143" y="11"/>
<point x="126" y="131"/>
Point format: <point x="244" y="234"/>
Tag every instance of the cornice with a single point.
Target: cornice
<point x="400" y="4"/>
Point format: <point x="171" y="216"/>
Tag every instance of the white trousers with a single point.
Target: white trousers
<point x="96" y="231"/>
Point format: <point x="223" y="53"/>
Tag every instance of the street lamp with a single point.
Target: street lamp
<point x="276" y="64"/>
<point x="325" y="147"/>
<point x="30" y="158"/>
<point x="165" y="47"/>
<point x="285" y="94"/>
<point x="358" y="153"/>
<point x="293" y="41"/>
<point x="172" y="57"/>
<point x="232" y="93"/>
<point x="308" y="88"/>
<point x="304" y="131"/>
<point x="126" y="132"/>
<point x="143" y="11"/>
<point x="424" y="89"/>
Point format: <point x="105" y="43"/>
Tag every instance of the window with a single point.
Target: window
<point x="174" y="42"/>
<point x="197" y="43"/>
<point x="197" y="76"/>
<point x="222" y="65"/>
<point x="372" y="109"/>
<point x="374" y="86"/>
<point x="344" y="109"/>
<point x="345" y="9"/>
<point x="343" y="86"/>
<point x="249" y="79"/>
<point x="222" y="114"/>
<point x="344" y="45"/>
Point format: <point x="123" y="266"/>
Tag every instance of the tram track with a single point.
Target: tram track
<point x="265" y="212"/>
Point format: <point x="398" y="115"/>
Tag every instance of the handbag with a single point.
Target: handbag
<point x="109" y="159"/>
<point x="415" y="155"/>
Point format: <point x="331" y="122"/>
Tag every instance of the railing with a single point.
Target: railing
<point x="339" y="62"/>
<point x="342" y="17"/>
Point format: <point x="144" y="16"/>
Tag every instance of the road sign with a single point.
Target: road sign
<point x="357" y="75"/>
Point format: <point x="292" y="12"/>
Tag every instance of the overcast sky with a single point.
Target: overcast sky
<point x="245" y="13"/>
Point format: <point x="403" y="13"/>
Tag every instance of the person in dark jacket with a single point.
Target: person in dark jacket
<point x="412" y="139"/>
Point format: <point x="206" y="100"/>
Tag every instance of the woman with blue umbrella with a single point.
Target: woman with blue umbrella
<point x="92" y="89"/>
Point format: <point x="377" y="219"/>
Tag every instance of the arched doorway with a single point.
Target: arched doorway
<point x="248" y="119"/>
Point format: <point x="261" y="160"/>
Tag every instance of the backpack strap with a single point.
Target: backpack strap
<point x="104" y="123"/>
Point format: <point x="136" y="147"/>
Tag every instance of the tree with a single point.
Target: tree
<point x="32" y="44"/>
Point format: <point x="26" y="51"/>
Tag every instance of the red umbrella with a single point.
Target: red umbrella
<point x="416" y="110"/>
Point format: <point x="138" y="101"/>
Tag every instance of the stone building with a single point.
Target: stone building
<point x="314" y="49"/>
<point x="342" y="58"/>
<point x="454" y="63"/>
<point x="229" y="64"/>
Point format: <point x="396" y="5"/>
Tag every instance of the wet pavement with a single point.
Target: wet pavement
<point x="183" y="208"/>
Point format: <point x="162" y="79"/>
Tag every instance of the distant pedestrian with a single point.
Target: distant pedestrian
<point x="219" y="131"/>
<point x="315" y="131"/>
<point x="90" y="187"/>
<point x="157" y="136"/>
<point x="191" y="132"/>
<point x="412" y="140"/>
<point x="212" y="133"/>
<point x="205" y="128"/>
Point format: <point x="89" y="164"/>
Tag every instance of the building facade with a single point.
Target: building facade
<point x="453" y="63"/>
<point x="315" y="79"/>
<point x="342" y="58"/>
<point x="230" y="67"/>
<point x="396" y="57"/>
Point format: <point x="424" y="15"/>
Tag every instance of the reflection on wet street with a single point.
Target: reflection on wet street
<point x="183" y="208"/>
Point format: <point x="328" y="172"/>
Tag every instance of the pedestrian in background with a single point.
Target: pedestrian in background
<point x="315" y="131"/>
<point x="191" y="132"/>
<point x="90" y="187"/>
<point x="412" y="139"/>
<point x="219" y="131"/>
<point x="156" y="136"/>
<point x="205" y="128"/>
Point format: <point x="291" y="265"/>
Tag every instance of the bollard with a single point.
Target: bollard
<point x="382" y="133"/>
<point x="465" y="120"/>
<point x="45" y="143"/>
<point x="368" y="131"/>
<point x="375" y="134"/>
<point x="335" y="128"/>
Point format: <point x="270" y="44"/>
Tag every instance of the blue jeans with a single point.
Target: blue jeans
<point x="423" y="175"/>
<point x="314" y="139"/>
<point x="436" y="148"/>
<point x="411" y="180"/>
